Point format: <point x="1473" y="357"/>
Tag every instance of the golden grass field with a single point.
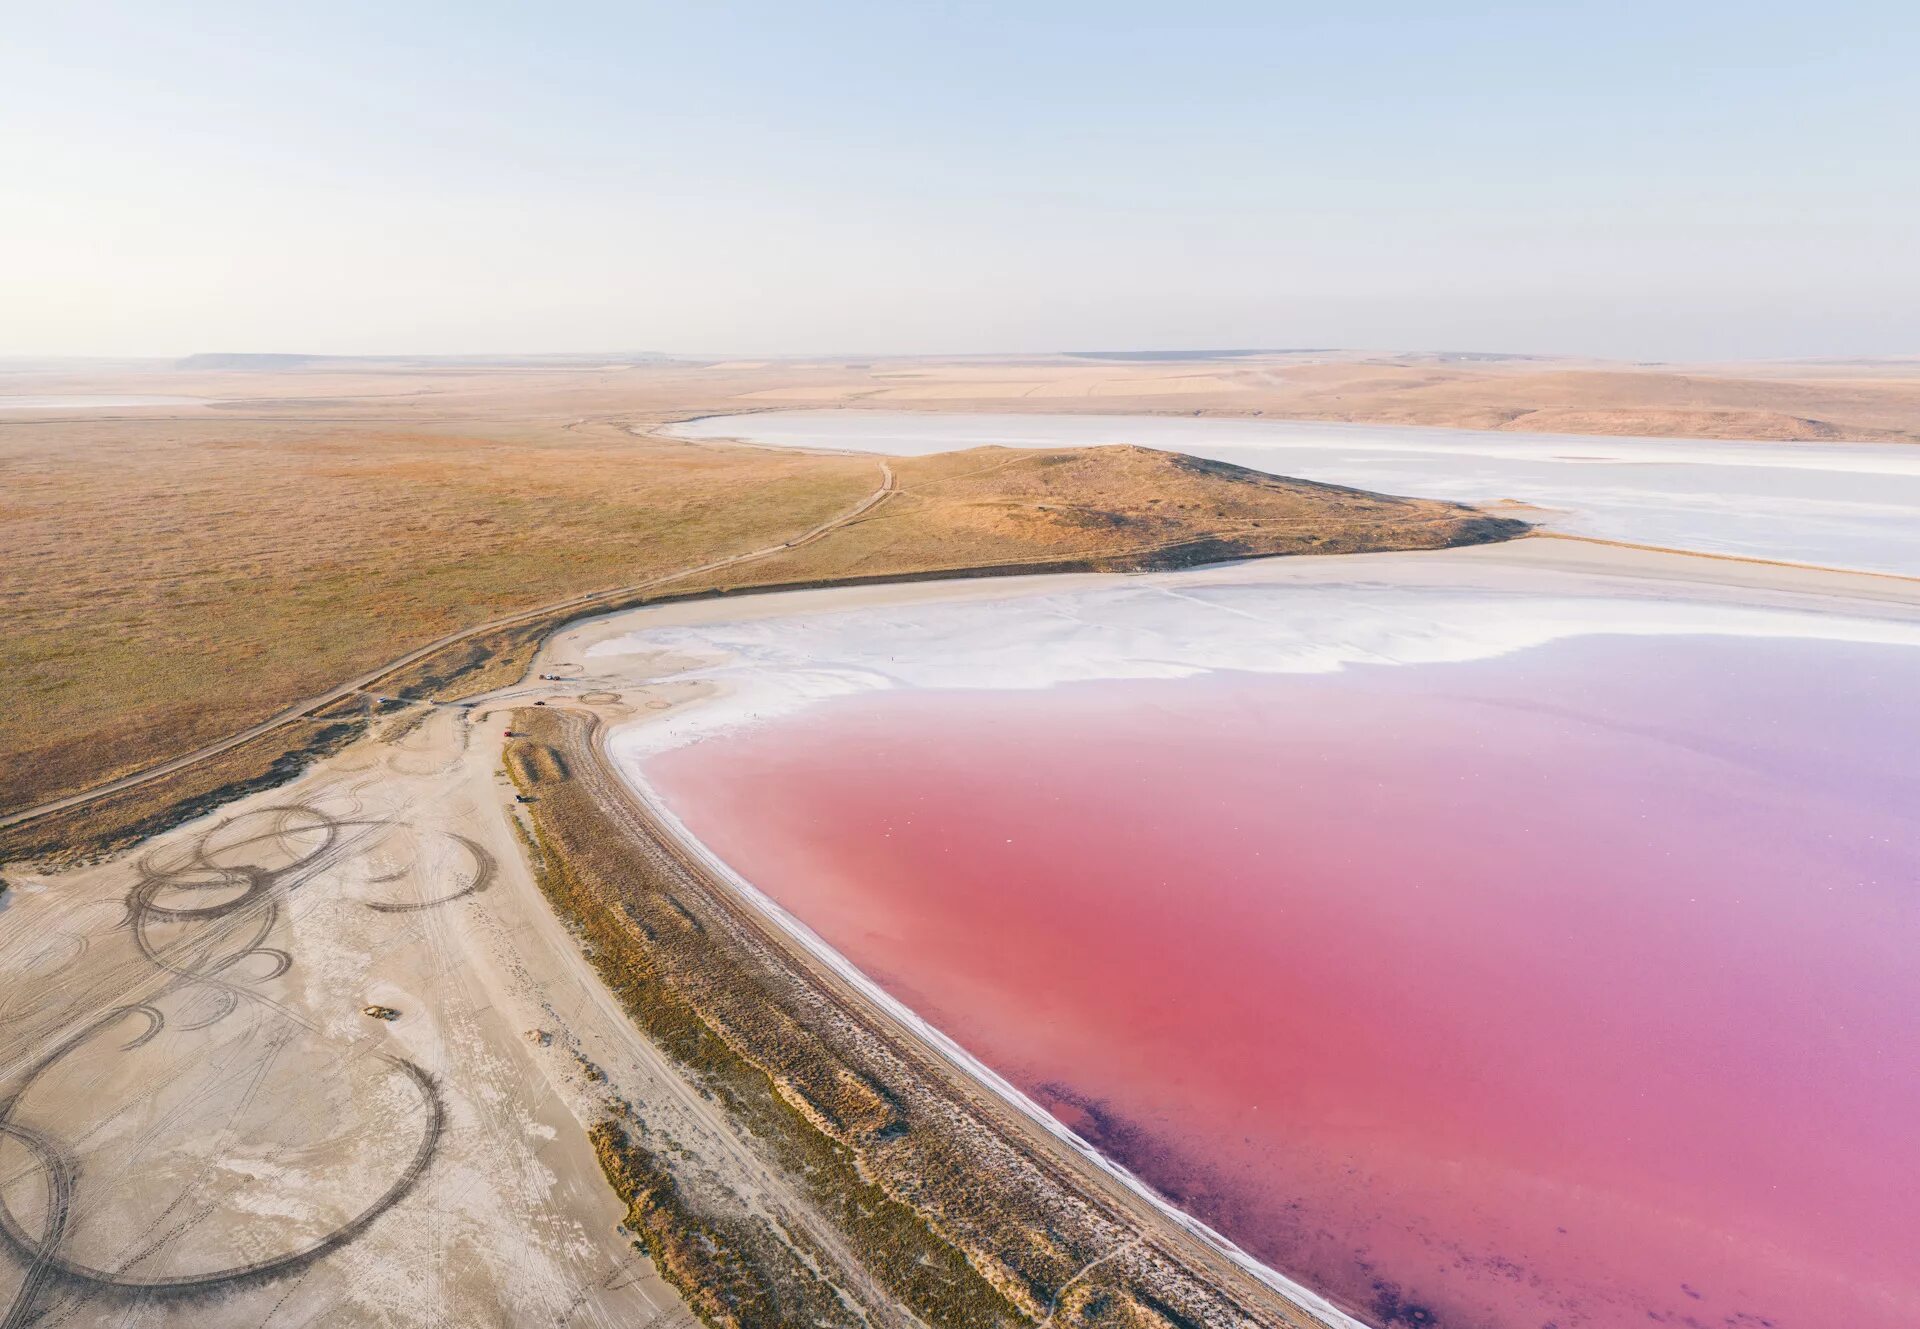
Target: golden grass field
<point x="171" y="583"/>
<point x="1828" y="399"/>
<point x="1850" y="400"/>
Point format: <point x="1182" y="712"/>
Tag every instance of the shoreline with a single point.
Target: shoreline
<point x="891" y="1008"/>
<point x="1021" y="1198"/>
<point x="925" y="1062"/>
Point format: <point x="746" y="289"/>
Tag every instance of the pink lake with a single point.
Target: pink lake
<point x="1575" y="987"/>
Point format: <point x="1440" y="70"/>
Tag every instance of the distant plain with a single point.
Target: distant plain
<point x="178" y="570"/>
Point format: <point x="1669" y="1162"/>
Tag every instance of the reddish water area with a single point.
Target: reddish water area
<point x="1573" y="988"/>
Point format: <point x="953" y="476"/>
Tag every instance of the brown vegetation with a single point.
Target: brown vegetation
<point x="1807" y="402"/>
<point x="176" y="574"/>
<point x="1838" y="398"/>
<point x="1117" y="507"/>
<point x="702" y="1258"/>
<point x="1831" y="399"/>
<point x="120" y="820"/>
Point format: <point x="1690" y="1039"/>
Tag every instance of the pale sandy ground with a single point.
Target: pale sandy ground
<point x="951" y="387"/>
<point x="218" y="1114"/>
<point x="197" y="1109"/>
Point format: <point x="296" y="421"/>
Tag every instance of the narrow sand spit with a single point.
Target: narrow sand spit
<point x="1835" y="505"/>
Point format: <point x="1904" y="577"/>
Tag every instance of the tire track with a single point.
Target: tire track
<point x="253" y="872"/>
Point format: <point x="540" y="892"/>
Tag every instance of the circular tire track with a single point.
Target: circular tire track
<point x="155" y="1023"/>
<point x="197" y="944"/>
<point x="282" y="962"/>
<point x="484" y="868"/>
<point x="60" y="1170"/>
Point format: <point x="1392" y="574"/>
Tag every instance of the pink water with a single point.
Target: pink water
<point x="1576" y="988"/>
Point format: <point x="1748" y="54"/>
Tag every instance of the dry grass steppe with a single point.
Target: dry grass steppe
<point x="169" y="583"/>
<point x="784" y="1149"/>
<point x="1116" y="506"/>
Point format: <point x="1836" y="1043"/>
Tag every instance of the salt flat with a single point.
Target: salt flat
<point x="779" y="654"/>
<point x="91" y="401"/>
<point x="1846" y="505"/>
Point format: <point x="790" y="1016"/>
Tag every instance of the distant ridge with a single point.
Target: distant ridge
<point x="246" y="361"/>
<point x="223" y="360"/>
<point x="1241" y="353"/>
<point x="1234" y="354"/>
<point x="1470" y="357"/>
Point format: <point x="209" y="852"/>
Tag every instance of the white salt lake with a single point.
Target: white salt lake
<point x="1842" y="505"/>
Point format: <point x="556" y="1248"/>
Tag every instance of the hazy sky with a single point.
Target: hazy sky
<point x="1693" y="178"/>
